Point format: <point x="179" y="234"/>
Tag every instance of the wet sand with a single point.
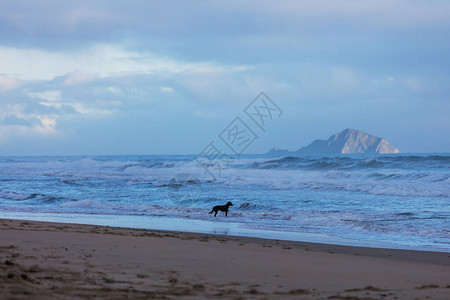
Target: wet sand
<point x="40" y="260"/>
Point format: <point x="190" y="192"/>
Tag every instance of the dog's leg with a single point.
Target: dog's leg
<point x="216" y="213"/>
<point x="226" y="213"/>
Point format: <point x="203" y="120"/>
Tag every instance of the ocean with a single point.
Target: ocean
<point x="397" y="201"/>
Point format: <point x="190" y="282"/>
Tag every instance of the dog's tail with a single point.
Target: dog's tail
<point x="211" y="211"/>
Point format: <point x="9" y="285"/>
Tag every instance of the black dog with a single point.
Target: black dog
<point x="223" y="208"/>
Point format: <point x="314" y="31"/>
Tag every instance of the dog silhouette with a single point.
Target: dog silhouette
<point x="223" y="208"/>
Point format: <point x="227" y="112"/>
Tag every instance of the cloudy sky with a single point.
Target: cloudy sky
<point x="166" y="77"/>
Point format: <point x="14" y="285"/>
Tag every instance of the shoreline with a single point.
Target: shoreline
<point x="422" y="256"/>
<point x="165" y="223"/>
<point x="47" y="260"/>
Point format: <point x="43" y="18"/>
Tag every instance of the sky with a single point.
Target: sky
<point x="167" y="77"/>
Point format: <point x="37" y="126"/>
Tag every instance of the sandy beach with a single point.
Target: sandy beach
<point x="41" y="260"/>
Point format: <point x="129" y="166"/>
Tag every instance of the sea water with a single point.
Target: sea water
<point x="402" y="201"/>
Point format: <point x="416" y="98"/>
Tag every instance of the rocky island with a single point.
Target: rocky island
<point x="349" y="141"/>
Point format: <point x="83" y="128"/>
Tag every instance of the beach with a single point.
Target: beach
<point x="43" y="260"/>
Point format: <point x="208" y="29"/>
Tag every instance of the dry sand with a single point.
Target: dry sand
<point x="41" y="260"/>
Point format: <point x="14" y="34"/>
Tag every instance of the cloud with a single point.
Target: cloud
<point x="8" y="83"/>
<point x="15" y="121"/>
<point x="47" y="95"/>
<point x="77" y="107"/>
<point x="166" y="89"/>
<point x="101" y="60"/>
<point x="26" y="113"/>
<point x="46" y="128"/>
<point x="95" y="82"/>
<point x="78" y="77"/>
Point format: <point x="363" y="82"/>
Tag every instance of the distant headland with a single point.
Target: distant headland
<point x="349" y="141"/>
